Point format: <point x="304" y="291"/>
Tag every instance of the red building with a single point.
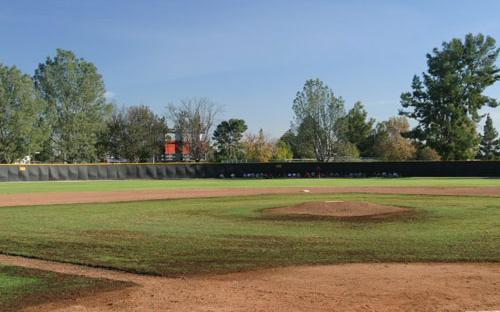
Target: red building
<point x="175" y="148"/>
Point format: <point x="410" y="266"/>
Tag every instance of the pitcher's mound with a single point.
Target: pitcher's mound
<point x="341" y="209"/>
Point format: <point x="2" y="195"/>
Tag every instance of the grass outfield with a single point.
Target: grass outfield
<point x="21" y="287"/>
<point x="95" y="186"/>
<point x="189" y="236"/>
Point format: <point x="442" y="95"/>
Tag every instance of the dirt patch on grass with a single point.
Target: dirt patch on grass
<point x="51" y="287"/>
<point x="339" y="209"/>
<point x="138" y="195"/>
<point x="345" y="287"/>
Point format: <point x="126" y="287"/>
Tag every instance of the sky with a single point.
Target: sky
<point x="249" y="57"/>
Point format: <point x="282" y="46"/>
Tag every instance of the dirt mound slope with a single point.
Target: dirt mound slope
<point x="338" y="208"/>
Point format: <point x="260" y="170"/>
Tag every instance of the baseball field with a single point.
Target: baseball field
<point x="371" y="244"/>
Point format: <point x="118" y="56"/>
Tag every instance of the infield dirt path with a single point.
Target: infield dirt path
<point x="345" y="287"/>
<point x="152" y="194"/>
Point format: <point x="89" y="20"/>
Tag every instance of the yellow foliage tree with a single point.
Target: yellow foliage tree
<point x="390" y="143"/>
<point x="257" y="147"/>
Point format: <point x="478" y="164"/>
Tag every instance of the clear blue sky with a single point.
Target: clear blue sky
<point x="251" y="57"/>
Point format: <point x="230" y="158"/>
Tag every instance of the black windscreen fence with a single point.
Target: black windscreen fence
<point x="248" y="170"/>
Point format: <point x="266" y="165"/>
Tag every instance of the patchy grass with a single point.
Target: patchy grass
<point x="21" y="287"/>
<point x="94" y="186"/>
<point x="191" y="236"/>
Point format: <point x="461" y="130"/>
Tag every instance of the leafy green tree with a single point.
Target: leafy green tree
<point x="348" y="151"/>
<point x="113" y="138"/>
<point x="136" y="134"/>
<point x="76" y="106"/>
<point x="358" y="128"/>
<point x="227" y="136"/>
<point x="290" y="139"/>
<point x="301" y="140"/>
<point x="490" y="144"/>
<point x="390" y="144"/>
<point x="282" y="151"/>
<point x="22" y="131"/>
<point x="317" y="103"/>
<point x="446" y="103"/>
<point x="145" y="132"/>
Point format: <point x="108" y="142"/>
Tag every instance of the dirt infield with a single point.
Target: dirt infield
<point x="340" y="209"/>
<point x="346" y="287"/>
<point x="137" y="195"/>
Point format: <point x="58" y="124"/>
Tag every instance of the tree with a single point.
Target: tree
<point x="257" y="148"/>
<point x="136" y="134"/>
<point x="446" y="103"/>
<point x="22" y="131"/>
<point x="490" y="144"/>
<point x="282" y="151"/>
<point x="76" y="106"/>
<point x="194" y="119"/>
<point x="290" y="138"/>
<point x="348" y="151"/>
<point x="145" y="134"/>
<point x="318" y="104"/>
<point x="301" y="139"/>
<point x="113" y="139"/>
<point x="389" y="142"/>
<point x="227" y="138"/>
<point x="426" y="153"/>
<point x="359" y="128"/>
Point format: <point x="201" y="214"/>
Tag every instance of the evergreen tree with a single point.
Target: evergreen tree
<point x="301" y="140"/>
<point x="490" y="144"/>
<point x="227" y="137"/>
<point x="359" y="128"/>
<point x="446" y="103"/>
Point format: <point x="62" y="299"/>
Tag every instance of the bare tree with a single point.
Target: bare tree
<point x="194" y="119"/>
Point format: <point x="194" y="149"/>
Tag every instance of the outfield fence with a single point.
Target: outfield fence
<point x="55" y="172"/>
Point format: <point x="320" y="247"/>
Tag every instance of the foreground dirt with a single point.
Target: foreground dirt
<point x="137" y="195"/>
<point x="338" y="208"/>
<point x="346" y="287"/>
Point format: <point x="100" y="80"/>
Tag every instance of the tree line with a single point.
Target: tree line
<point x="61" y="114"/>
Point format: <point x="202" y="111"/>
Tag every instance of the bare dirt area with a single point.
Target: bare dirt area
<point x="138" y="195"/>
<point x="344" y="287"/>
<point x="339" y="209"/>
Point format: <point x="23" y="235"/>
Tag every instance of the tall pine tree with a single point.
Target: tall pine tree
<point x="490" y="144"/>
<point x="447" y="101"/>
<point x="227" y="136"/>
<point x="359" y="128"/>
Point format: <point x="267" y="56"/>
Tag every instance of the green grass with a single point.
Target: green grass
<point x="190" y="236"/>
<point x="89" y="186"/>
<point x="21" y="287"/>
